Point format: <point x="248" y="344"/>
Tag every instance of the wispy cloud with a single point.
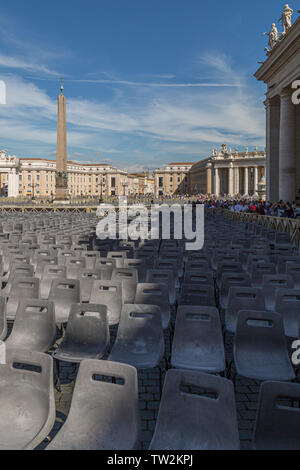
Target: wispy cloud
<point x="150" y="122"/>
<point x="157" y="85"/>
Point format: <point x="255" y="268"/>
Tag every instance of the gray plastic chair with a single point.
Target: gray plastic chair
<point x="198" y="295"/>
<point x="155" y="294"/>
<point x="271" y="283"/>
<point x="108" y="293"/>
<point x="140" y="339"/>
<point x="232" y="280"/>
<point x="3" y="322"/>
<point x="258" y="258"/>
<point x="260" y="350"/>
<point x="198" y="341"/>
<point x="138" y="264"/>
<point x="21" y="288"/>
<point x="51" y="272"/>
<point x="288" y="304"/>
<point x="46" y="260"/>
<point x="170" y="265"/>
<point x="74" y="266"/>
<point x="90" y="258"/>
<point x="293" y="270"/>
<point x="228" y="267"/>
<point x="197" y="412"/>
<point x="259" y="270"/>
<point x="34" y="327"/>
<point x="87" y="334"/>
<point x="27" y="406"/>
<point x="198" y="277"/>
<point x="17" y="270"/>
<point x="198" y="265"/>
<point x="104" y="415"/>
<point x="163" y="276"/>
<point x="129" y="279"/>
<point x="64" y="293"/>
<point x="277" y="423"/>
<point x="283" y="260"/>
<point x="242" y="298"/>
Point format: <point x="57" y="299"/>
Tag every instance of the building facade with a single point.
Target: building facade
<point x="172" y="180"/>
<point x="25" y="177"/>
<point x="279" y="72"/>
<point x="228" y="173"/>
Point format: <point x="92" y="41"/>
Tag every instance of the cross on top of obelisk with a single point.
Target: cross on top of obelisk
<point x="62" y="86"/>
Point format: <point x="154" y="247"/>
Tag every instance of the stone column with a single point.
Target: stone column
<point x="287" y="148"/>
<point x="246" y="181"/>
<point x="255" y="180"/>
<point x="272" y="135"/>
<point x="12" y="183"/>
<point x="230" y="180"/>
<point x="209" y="179"/>
<point x="217" y="182"/>
<point x="237" y="180"/>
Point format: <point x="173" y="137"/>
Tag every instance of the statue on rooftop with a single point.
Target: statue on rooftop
<point x="273" y="37"/>
<point x="286" y="18"/>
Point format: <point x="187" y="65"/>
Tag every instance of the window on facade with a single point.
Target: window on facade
<point x="113" y="183"/>
<point x="161" y="182"/>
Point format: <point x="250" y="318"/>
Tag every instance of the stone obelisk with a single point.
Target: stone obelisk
<point x="61" y="149"/>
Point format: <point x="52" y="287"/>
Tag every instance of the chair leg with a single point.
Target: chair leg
<point x="57" y="383"/>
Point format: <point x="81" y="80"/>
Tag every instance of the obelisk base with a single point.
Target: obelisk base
<point x="61" y="192"/>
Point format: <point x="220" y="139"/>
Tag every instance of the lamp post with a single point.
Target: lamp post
<point x="125" y="185"/>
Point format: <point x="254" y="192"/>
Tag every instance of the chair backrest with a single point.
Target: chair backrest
<point x="155" y="294"/>
<point x="278" y="422"/>
<point x="51" y="272"/>
<point x="3" y="322"/>
<point x="233" y="280"/>
<point x="108" y="293"/>
<point x="42" y="262"/>
<point x="117" y="254"/>
<point x="140" y="332"/>
<point x="293" y="270"/>
<point x="198" y="277"/>
<point x="34" y="327"/>
<point x="74" y="266"/>
<point x="103" y="389"/>
<point x="242" y="298"/>
<point x="198" y="342"/>
<point x="259" y="270"/>
<point x="198" y="294"/>
<point x="256" y="259"/>
<point x="288" y="304"/>
<point x="88" y="329"/>
<point x="205" y="417"/>
<point x="228" y="267"/>
<point x="272" y="282"/>
<point x="90" y="257"/>
<point x="64" y="293"/>
<point x="198" y="265"/>
<point x="283" y="260"/>
<point x="258" y="331"/>
<point x="31" y="373"/>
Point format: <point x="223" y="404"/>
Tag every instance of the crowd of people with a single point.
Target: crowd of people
<point x="278" y="209"/>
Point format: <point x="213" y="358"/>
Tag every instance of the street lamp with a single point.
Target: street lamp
<point x="124" y="184"/>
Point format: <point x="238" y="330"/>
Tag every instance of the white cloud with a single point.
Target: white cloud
<point x="151" y="123"/>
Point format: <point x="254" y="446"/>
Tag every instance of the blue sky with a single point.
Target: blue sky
<point x="147" y="82"/>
